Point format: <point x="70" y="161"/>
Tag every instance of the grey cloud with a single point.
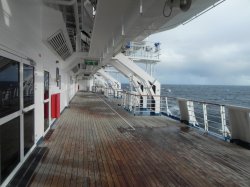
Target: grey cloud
<point x="213" y="49"/>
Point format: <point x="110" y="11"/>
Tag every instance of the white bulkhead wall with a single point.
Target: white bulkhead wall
<point x="85" y="84"/>
<point x="23" y="25"/>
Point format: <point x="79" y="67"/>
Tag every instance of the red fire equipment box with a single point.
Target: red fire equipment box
<point x="55" y="105"/>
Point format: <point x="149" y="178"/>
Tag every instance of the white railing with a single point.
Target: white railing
<point x="224" y="121"/>
<point x="211" y="118"/>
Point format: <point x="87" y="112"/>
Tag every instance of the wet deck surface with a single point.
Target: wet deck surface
<point x="93" y="146"/>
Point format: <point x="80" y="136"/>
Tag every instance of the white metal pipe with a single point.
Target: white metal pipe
<point x="223" y="121"/>
<point x="82" y="6"/>
<point x="78" y="33"/>
<point x="58" y="2"/>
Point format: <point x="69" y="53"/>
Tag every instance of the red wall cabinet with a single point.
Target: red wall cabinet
<point x="55" y="105"/>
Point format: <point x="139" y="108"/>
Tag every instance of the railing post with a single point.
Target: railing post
<point x="123" y="99"/>
<point x="105" y="91"/>
<point x="144" y="101"/>
<point x="126" y="100"/>
<point x="134" y="103"/>
<point x="223" y="121"/>
<point x="204" y="106"/>
<point x="167" y="110"/>
<point x="129" y="101"/>
<point x="137" y="102"/>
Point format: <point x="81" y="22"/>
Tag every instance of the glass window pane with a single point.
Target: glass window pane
<point x="10" y="147"/>
<point x="28" y="85"/>
<point x="28" y="131"/>
<point x="46" y="85"/>
<point x="9" y="86"/>
<point x="46" y="116"/>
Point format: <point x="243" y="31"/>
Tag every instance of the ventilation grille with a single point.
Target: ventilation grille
<point x="59" y="44"/>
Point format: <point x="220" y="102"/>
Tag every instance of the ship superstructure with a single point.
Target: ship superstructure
<point x="54" y="54"/>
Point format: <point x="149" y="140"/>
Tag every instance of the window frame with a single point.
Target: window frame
<point x="22" y="110"/>
<point x="47" y="101"/>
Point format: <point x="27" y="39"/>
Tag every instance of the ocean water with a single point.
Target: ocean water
<point x="227" y="95"/>
<point x="231" y="95"/>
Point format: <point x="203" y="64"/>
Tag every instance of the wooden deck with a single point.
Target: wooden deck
<point x="93" y="146"/>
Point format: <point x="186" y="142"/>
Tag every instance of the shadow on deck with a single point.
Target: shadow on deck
<point x="93" y="146"/>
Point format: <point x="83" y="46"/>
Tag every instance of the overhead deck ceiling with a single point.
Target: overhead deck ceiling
<point x="115" y="23"/>
<point x="119" y="21"/>
<point x="77" y="15"/>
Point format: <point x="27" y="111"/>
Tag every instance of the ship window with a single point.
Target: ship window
<point x="28" y="131"/>
<point x="46" y="85"/>
<point x="46" y="104"/>
<point x="9" y="86"/>
<point x="46" y="116"/>
<point x="9" y="147"/>
<point x="28" y="85"/>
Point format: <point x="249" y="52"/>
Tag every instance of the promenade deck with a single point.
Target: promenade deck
<point x="93" y="146"/>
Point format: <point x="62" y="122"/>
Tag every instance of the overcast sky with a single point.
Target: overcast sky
<point x="212" y="49"/>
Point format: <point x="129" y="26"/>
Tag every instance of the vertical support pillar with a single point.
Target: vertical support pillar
<point x="151" y="70"/>
<point x="204" y="106"/>
<point x="239" y="120"/>
<point x="127" y="101"/>
<point x="166" y="104"/>
<point x="187" y="112"/>
<point x="130" y="94"/>
<point x="144" y="97"/>
<point x="192" y="118"/>
<point x="123" y="99"/>
<point x="184" y="116"/>
<point x="130" y="102"/>
<point x="78" y="32"/>
<point x="78" y="41"/>
<point x="145" y="100"/>
<point x="157" y="104"/>
<point x="223" y="121"/>
<point x="151" y="85"/>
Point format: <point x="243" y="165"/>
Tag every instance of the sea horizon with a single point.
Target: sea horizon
<point x="237" y="95"/>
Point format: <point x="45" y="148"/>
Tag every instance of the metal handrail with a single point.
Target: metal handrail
<point x="212" y="117"/>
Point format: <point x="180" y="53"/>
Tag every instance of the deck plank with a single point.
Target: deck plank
<point x="92" y="146"/>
